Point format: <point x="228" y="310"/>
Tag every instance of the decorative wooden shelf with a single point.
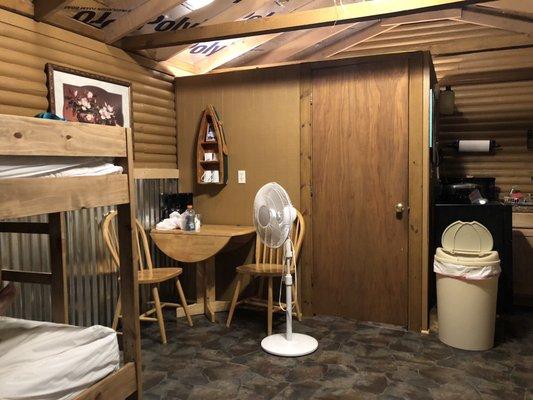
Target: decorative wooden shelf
<point x="211" y="123"/>
<point x="210" y="143"/>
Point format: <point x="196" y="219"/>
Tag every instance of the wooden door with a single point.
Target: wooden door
<point x="359" y="174"/>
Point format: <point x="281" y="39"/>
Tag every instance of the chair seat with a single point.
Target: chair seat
<point x="157" y="275"/>
<point x="262" y="269"/>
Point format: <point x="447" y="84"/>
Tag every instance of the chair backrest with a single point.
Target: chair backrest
<point x="268" y="255"/>
<point x="109" y="232"/>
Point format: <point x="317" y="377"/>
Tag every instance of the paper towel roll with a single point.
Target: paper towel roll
<point x="474" y="146"/>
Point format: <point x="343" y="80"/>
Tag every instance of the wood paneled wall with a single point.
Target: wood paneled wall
<point x="26" y="46"/>
<point x="260" y="112"/>
<point x="494" y="100"/>
<point x="266" y="116"/>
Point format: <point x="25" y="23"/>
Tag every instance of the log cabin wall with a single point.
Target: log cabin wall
<point x="494" y="100"/>
<point x="26" y="46"/>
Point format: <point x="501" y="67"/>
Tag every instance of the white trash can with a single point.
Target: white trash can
<point x="467" y="286"/>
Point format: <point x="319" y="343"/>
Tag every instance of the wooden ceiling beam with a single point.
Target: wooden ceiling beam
<point x="384" y="26"/>
<point x="349" y="13"/>
<point x="137" y="17"/>
<point x="233" y="13"/>
<point x="515" y="75"/>
<point x="450" y="48"/>
<point x="44" y="9"/>
<point x="430" y="16"/>
<point x="298" y="42"/>
<point x="506" y="23"/>
<point x="240" y="47"/>
<point x="523" y="8"/>
<point x="359" y="37"/>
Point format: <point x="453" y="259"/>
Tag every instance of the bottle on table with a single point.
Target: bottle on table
<point x="190" y="223"/>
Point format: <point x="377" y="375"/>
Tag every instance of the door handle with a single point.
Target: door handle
<point x="399" y="208"/>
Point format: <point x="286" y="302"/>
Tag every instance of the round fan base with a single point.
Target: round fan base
<point x="300" y="345"/>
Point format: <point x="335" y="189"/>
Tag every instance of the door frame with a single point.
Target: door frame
<point x="421" y="79"/>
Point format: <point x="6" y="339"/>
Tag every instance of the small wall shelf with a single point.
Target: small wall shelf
<point x="211" y="150"/>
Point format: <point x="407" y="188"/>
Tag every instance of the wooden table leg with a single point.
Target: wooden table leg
<point x="205" y="293"/>
<point x="209" y="285"/>
<point x="200" y="286"/>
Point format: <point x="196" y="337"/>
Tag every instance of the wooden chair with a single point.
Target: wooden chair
<point x="147" y="275"/>
<point x="269" y="265"/>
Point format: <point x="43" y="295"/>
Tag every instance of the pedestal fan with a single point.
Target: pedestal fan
<point x="273" y="219"/>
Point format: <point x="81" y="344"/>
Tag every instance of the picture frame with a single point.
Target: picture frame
<point x="80" y="96"/>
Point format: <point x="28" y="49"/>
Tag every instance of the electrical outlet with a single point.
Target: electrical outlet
<point x="241" y="176"/>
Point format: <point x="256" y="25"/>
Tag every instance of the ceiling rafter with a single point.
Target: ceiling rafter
<point x="381" y="27"/>
<point x="238" y="49"/>
<point x="498" y="39"/>
<point x="522" y="8"/>
<point x="478" y="17"/>
<point x="241" y="47"/>
<point x="359" y="37"/>
<point x="232" y="13"/>
<point x="444" y="49"/>
<point x="244" y="45"/>
<point x="137" y="17"/>
<point x="326" y="16"/>
<point x="297" y="42"/>
<point x="466" y="45"/>
<point x="429" y="16"/>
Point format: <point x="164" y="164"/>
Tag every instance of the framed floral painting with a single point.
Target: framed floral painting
<point x="84" y="97"/>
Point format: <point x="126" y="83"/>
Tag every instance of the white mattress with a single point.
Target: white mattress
<point x="32" y="167"/>
<point x="45" y="361"/>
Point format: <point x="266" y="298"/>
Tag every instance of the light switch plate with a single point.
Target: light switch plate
<point x="241" y="176"/>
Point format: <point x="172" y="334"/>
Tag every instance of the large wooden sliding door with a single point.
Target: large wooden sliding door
<point x="360" y="149"/>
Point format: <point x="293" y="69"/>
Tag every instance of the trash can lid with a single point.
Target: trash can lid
<point x="467" y="238"/>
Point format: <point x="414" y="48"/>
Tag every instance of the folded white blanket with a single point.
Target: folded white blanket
<point x="33" y="167"/>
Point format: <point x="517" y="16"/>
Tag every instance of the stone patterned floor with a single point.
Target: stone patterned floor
<point x="354" y="361"/>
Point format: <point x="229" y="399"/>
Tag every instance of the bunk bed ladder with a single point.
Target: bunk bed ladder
<point x="57" y="277"/>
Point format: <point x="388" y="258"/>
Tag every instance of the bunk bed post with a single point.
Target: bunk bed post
<point x="58" y="262"/>
<point x="129" y="289"/>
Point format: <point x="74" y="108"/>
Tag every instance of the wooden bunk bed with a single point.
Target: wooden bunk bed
<point x="21" y="197"/>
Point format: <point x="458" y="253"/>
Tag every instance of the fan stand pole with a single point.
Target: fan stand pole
<point x="291" y="344"/>
<point x="288" y="301"/>
<point x="287" y="252"/>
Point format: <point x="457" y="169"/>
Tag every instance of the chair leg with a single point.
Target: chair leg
<point x="116" y="316"/>
<point x="159" y="313"/>
<point x="234" y="299"/>
<point x="183" y="301"/>
<point x="270" y="307"/>
<point x="296" y="303"/>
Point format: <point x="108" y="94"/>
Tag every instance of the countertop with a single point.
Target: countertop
<point x="523" y="209"/>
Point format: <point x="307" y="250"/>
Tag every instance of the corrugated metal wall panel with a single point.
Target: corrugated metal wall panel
<point x="93" y="285"/>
